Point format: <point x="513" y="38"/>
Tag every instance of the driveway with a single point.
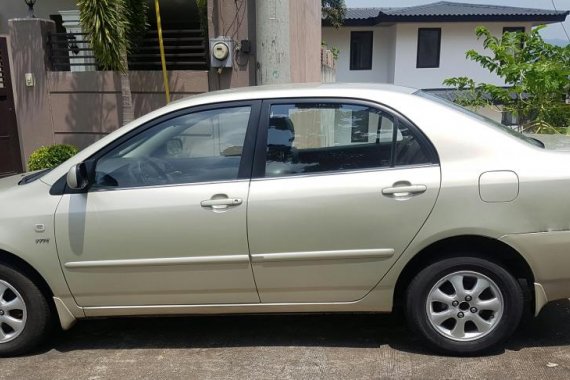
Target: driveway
<point x="264" y="347"/>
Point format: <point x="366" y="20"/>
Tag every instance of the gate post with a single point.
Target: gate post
<point x="28" y="46"/>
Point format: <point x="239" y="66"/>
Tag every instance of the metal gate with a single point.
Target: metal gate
<point x="10" y="159"/>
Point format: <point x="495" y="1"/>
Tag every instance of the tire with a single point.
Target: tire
<point x="483" y="313"/>
<point x="33" y="312"/>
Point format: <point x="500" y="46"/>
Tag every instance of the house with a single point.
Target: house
<point x="420" y="46"/>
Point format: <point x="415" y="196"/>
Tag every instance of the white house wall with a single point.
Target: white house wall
<point x="456" y="39"/>
<point x="383" y="58"/>
<point x="394" y="53"/>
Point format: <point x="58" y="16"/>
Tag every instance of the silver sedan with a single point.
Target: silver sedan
<point x="306" y="198"/>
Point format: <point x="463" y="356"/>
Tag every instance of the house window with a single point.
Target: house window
<point x="361" y="50"/>
<point x="513" y="29"/>
<point x="429" y="45"/>
<point x="507" y="118"/>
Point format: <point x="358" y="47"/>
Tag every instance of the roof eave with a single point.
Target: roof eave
<point x="385" y="18"/>
<point x="474" y="18"/>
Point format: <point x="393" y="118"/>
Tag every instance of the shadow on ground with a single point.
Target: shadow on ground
<point x="551" y="328"/>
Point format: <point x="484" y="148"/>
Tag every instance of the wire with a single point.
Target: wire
<point x="561" y="23"/>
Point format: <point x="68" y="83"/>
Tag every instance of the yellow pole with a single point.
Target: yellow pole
<point x="162" y="57"/>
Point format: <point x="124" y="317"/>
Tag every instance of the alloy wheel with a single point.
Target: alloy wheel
<point x="464" y="306"/>
<point x="13" y="312"/>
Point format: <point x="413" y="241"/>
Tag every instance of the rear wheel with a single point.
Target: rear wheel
<point x="25" y="316"/>
<point x="464" y="305"/>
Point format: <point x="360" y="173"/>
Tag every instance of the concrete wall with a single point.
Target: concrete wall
<point x="84" y="106"/>
<point x="78" y="107"/>
<point x="383" y="42"/>
<point x="456" y="39"/>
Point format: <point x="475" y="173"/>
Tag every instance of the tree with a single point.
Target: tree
<point x="334" y="11"/>
<point x="113" y="28"/>
<point x="536" y="75"/>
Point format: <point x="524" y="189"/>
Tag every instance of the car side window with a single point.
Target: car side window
<point x="197" y="147"/>
<point x="324" y="137"/>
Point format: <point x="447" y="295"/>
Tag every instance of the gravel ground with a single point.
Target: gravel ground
<point x="300" y="347"/>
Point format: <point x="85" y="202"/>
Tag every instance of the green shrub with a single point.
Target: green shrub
<point x="48" y="157"/>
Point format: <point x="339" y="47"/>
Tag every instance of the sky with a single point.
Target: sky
<point x="553" y="31"/>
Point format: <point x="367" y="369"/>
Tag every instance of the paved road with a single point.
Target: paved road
<point x="300" y="347"/>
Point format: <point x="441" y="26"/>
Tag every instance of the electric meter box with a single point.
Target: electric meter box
<point x="221" y="52"/>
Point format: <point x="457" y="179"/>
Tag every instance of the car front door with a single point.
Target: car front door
<point x="164" y="222"/>
<point x="340" y="189"/>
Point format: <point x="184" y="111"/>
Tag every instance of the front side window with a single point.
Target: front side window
<point x="429" y="45"/>
<point x="197" y="147"/>
<point x="361" y="50"/>
<point x="323" y="137"/>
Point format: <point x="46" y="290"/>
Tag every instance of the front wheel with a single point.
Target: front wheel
<point x="464" y="305"/>
<point x="25" y="316"/>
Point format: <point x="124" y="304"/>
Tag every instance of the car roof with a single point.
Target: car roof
<point x="291" y="90"/>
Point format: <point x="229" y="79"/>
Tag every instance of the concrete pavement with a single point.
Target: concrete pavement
<point x="296" y="347"/>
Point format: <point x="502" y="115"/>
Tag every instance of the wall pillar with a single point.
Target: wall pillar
<point x="28" y="46"/>
<point x="305" y="34"/>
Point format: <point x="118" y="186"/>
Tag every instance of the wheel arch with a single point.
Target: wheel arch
<point x="22" y="265"/>
<point x="467" y="245"/>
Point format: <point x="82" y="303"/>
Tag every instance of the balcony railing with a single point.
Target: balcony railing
<point x="185" y="49"/>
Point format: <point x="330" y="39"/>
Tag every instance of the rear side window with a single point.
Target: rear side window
<point x="326" y="137"/>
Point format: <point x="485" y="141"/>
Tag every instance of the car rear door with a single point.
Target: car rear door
<point x="340" y="188"/>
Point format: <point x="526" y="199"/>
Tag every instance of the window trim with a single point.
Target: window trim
<point x="418" y="63"/>
<point x="259" y="159"/>
<point x="246" y="162"/>
<point x="352" y="66"/>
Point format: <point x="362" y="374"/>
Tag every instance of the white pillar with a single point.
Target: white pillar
<point x="72" y="25"/>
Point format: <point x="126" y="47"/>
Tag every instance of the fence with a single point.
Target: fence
<point x="185" y="49"/>
<point x="328" y="66"/>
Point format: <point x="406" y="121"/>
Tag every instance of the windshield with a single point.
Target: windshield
<point x="482" y="118"/>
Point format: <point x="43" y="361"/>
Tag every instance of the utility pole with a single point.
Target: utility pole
<point x="273" y="41"/>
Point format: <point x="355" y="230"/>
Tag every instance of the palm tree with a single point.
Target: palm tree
<point x="113" y="27"/>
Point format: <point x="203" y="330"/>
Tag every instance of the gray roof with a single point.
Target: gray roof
<point x="364" y="13"/>
<point x="449" y="11"/>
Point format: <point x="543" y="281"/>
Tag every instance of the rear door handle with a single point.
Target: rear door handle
<point x="405" y="190"/>
<point x="220" y="203"/>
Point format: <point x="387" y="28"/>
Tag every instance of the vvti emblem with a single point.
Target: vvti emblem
<point x="42" y="241"/>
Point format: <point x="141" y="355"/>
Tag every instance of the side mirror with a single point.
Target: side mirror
<point x="77" y="177"/>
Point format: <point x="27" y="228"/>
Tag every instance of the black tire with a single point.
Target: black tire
<point x="38" y="323"/>
<point x="417" y="298"/>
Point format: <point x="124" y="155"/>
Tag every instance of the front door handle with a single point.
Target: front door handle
<point x="404" y="189"/>
<point x="221" y="203"/>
